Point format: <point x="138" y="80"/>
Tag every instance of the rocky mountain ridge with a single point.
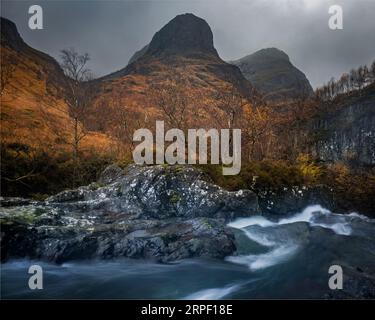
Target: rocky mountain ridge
<point x="272" y="73"/>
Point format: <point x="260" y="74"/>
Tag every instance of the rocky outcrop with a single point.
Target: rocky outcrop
<point x="185" y="34"/>
<point x="162" y="213"/>
<point x="10" y="36"/>
<point x="271" y="72"/>
<point x="346" y="132"/>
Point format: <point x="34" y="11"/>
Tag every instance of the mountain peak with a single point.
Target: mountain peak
<point x="9" y="35"/>
<point x="265" y="55"/>
<point x="272" y="73"/>
<point x="272" y="53"/>
<point x="185" y="34"/>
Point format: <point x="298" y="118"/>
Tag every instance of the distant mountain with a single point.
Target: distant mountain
<point x="185" y="40"/>
<point x="186" y="35"/>
<point x="272" y="73"/>
<point x="183" y="47"/>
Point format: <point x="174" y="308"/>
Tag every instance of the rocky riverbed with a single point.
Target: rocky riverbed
<point x="161" y="212"/>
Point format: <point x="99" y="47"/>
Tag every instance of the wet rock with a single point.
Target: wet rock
<point x="71" y="238"/>
<point x="14" y="201"/>
<point x="162" y="213"/>
<point x="161" y="192"/>
<point x="110" y="174"/>
<point x="289" y="201"/>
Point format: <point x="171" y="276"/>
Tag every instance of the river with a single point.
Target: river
<point x="276" y="258"/>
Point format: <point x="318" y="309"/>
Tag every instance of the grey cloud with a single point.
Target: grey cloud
<point x="111" y="31"/>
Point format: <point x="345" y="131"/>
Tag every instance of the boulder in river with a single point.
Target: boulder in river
<point x="159" y="212"/>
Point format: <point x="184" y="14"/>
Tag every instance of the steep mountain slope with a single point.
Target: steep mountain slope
<point x="182" y="49"/>
<point x="138" y="54"/>
<point x="272" y="73"/>
<point x="33" y="111"/>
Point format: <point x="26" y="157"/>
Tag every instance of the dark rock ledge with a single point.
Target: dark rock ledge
<point x="160" y="212"/>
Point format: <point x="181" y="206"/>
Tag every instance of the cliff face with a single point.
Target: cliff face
<point x="10" y="36"/>
<point x="272" y="73"/>
<point x="347" y="133"/>
<point x="186" y="35"/>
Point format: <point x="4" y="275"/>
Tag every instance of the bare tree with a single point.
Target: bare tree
<point x="173" y="99"/>
<point x="124" y="121"/>
<point x="78" y="96"/>
<point x="353" y="82"/>
<point x="256" y="126"/>
<point x="231" y="103"/>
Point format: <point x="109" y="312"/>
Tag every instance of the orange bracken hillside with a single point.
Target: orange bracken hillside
<point x="33" y="111"/>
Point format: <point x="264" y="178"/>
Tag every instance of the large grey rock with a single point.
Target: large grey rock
<point x="160" y="212"/>
<point x="161" y="192"/>
<point x="110" y="174"/>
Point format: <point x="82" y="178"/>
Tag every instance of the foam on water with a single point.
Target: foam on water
<point x="265" y="260"/>
<point x="281" y="251"/>
<point x="360" y="216"/>
<point x="309" y="214"/>
<point x="260" y="238"/>
<point x="251" y="221"/>
<point x="339" y="228"/>
<point x="212" y="294"/>
<point x="306" y="215"/>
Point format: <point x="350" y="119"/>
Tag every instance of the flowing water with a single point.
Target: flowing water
<point x="285" y="258"/>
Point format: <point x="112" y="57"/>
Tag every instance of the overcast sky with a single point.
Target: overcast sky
<point x="111" y="31"/>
